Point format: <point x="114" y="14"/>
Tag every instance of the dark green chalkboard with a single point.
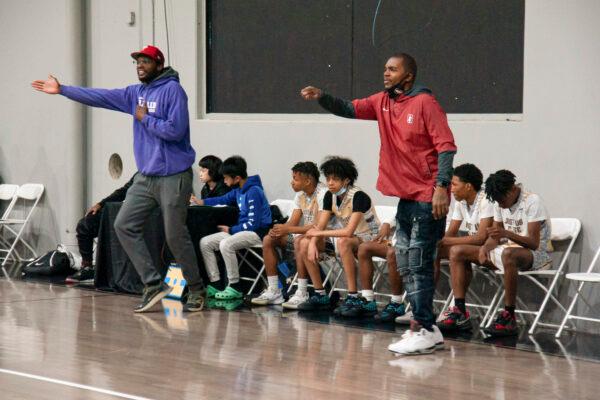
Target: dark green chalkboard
<point x="260" y="53"/>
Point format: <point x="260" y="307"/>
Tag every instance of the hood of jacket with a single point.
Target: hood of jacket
<point x="253" y="180"/>
<point x="167" y="74"/>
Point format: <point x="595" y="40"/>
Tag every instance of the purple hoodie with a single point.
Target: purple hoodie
<point x="161" y="140"/>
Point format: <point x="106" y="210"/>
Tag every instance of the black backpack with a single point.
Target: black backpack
<point x="277" y="216"/>
<point x="55" y="262"/>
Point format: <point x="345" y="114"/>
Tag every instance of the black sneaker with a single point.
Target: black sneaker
<point x="315" y="302"/>
<point x="152" y="295"/>
<point x="455" y="320"/>
<point x="504" y="325"/>
<point x="195" y="301"/>
<point x="360" y="307"/>
<point x="84" y="275"/>
<point x="343" y="306"/>
<point x="390" y="312"/>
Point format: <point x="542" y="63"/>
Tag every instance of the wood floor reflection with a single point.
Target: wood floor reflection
<point x="92" y="338"/>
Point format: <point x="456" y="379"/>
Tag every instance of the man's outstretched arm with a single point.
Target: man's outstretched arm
<point x="335" y="105"/>
<point x="112" y="99"/>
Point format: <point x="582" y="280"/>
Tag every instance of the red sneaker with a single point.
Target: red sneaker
<point x="455" y="320"/>
<point x="504" y="325"/>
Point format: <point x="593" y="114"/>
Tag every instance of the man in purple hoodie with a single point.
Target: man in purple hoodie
<point x="164" y="156"/>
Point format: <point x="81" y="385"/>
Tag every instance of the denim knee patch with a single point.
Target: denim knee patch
<point x="415" y="258"/>
<point x="402" y="263"/>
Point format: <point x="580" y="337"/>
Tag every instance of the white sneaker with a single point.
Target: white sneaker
<point x="268" y="296"/>
<point x="404" y="319"/>
<point x="438" y="337"/>
<point x="294" y="301"/>
<point x="421" y="342"/>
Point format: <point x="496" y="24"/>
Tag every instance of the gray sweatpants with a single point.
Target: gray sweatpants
<point x="172" y="195"/>
<point x="228" y="245"/>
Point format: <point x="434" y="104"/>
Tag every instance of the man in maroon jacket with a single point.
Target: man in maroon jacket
<point x="415" y="164"/>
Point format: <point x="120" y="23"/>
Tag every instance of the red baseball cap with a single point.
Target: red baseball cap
<point x="152" y="52"/>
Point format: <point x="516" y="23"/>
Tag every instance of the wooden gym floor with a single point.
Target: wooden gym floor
<point x="68" y="343"/>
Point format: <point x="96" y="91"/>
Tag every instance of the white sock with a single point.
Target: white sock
<point x="320" y="291"/>
<point x="273" y="282"/>
<point x="302" y="285"/>
<point x="396" y="298"/>
<point x="368" y="294"/>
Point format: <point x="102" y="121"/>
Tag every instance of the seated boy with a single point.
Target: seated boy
<point x="307" y="203"/>
<point x="519" y="240"/>
<point x="476" y="212"/>
<point x="210" y="175"/>
<point x="253" y="223"/>
<point x="356" y="223"/>
<point x="87" y="230"/>
<point x="378" y="247"/>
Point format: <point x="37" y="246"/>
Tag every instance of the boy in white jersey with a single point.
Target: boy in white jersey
<point x="475" y="212"/>
<point x="286" y="237"/>
<point x="518" y="240"/>
<point x="355" y="222"/>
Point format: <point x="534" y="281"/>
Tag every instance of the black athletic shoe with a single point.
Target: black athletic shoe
<point x="504" y="325"/>
<point x="343" y="306"/>
<point x="195" y="301"/>
<point x="390" y="312"/>
<point x="84" y="275"/>
<point x="359" y="307"/>
<point x="455" y="320"/>
<point x="315" y="302"/>
<point x="152" y="295"/>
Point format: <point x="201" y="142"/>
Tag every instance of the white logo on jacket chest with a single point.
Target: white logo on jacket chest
<point x="150" y="104"/>
<point x="410" y="118"/>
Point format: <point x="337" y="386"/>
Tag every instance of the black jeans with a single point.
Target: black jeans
<point x="87" y="231"/>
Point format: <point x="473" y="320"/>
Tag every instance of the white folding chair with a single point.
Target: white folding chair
<point x="384" y="213"/>
<point x="331" y="263"/>
<point x="8" y="193"/>
<point x="29" y="194"/>
<point x="582" y="278"/>
<point x="478" y="302"/>
<point x="8" y="196"/>
<point x="477" y="270"/>
<point x="328" y="262"/>
<point x="563" y="230"/>
<point x="244" y="254"/>
<point x="286" y="207"/>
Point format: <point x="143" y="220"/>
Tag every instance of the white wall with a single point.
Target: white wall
<point x="41" y="136"/>
<point x="552" y="150"/>
<point x="111" y="41"/>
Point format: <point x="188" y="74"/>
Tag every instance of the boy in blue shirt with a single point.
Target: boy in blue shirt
<point x="253" y="224"/>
